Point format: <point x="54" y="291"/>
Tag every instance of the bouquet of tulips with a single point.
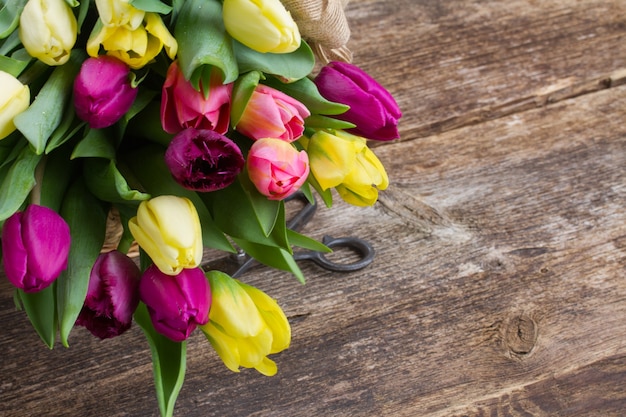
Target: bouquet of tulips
<point x="193" y="120"/>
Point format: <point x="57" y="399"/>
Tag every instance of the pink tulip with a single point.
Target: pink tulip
<point x="35" y="247"/>
<point x="112" y="296"/>
<point x="203" y="160"/>
<point x="276" y="168"/>
<point x="373" y="109"/>
<point x="182" y="106"/>
<point x="176" y="303"/>
<point x="102" y="91"/>
<point x="272" y="114"/>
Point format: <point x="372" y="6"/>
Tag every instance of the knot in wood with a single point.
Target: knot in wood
<point x="520" y="335"/>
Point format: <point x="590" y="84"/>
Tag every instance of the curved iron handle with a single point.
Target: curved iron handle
<point x="363" y="247"/>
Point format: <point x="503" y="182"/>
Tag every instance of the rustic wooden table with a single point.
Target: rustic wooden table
<point x="498" y="287"/>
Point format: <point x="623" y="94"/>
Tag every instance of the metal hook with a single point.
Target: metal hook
<point x="298" y="221"/>
<point x="365" y="250"/>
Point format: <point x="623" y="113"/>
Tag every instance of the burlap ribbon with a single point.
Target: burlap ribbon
<point x="324" y="26"/>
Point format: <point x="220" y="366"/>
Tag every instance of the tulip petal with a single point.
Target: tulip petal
<point x="226" y="347"/>
<point x="232" y="307"/>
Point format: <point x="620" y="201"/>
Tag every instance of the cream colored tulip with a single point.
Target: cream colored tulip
<point x="168" y="229"/>
<point x="15" y="98"/>
<point x="262" y="25"/>
<point x="48" y="30"/>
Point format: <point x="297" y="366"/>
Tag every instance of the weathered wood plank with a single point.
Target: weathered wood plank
<point x="456" y="63"/>
<point x="499" y="283"/>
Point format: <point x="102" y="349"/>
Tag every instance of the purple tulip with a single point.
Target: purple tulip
<point x="372" y="108"/>
<point x="203" y="160"/>
<point x="35" y="247"/>
<point x="112" y="296"/>
<point x="102" y="91"/>
<point x="176" y="303"/>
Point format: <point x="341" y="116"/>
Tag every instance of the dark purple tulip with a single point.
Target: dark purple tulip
<point x="112" y="296"/>
<point x="102" y="91"/>
<point x="35" y="247"/>
<point x="372" y="108"/>
<point x="203" y="160"/>
<point x="176" y="303"/>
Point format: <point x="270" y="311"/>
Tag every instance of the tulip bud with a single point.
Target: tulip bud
<point x="112" y="295"/>
<point x="35" y="247"/>
<point x="342" y="160"/>
<point x="262" y="25"/>
<point x="176" y="304"/>
<point x="245" y="325"/>
<point x="102" y="91"/>
<point x="203" y="160"/>
<point x="372" y="108"/>
<point x="276" y="168"/>
<point x="182" y="106"/>
<point x="272" y="114"/>
<point x="15" y="99"/>
<point x="168" y="229"/>
<point x="48" y="30"/>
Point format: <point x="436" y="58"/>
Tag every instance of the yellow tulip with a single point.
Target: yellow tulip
<point x="168" y="229"/>
<point x="15" y="99"/>
<point x="342" y="160"/>
<point x="262" y="25"/>
<point x="48" y="30"/>
<point x="136" y="47"/>
<point x="119" y="13"/>
<point x="245" y="325"/>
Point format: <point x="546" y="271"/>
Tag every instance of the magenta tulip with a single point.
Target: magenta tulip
<point x="35" y="247"/>
<point x="372" y="108"/>
<point x="182" y="106"/>
<point x="277" y="168"/>
<point x="272" y="114"/>
<point x="176" y="303"/>
<point x="102" y="91"/>
<point x="112" y="295"/>
<point x="203" y="160"/>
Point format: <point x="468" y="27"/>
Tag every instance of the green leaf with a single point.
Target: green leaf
<point x="305" y="91"/>
<point x="44" y="115"/>
<point x="292" y="66"/>
<point x="242" y="91"/>
<point x="86" y="217"/>
<point x="202" y="40"/>
<point x="40" y="308"/>
<point x="151" y="6"/>
<point x="149" y="168"/>
<point x="318" y="121"/>
<point x="169" y="362"/>
<point x="254" y="217"/>
<point x="305" y="242"/>
<point x="143" y="99"/>
<point x="17" y="183"/>
<point x="327" y="196"/>
<point x="58" y="173"/>
<point x="12" y="66"/>
<point x="106" y="182"/>
<point x="10" y="16"/>
<point x="96" y="143"/>
<point x="272" y="256"/>
<point x="69" y="126"/>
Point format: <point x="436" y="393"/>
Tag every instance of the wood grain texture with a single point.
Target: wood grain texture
<point x="499" y="283"/>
